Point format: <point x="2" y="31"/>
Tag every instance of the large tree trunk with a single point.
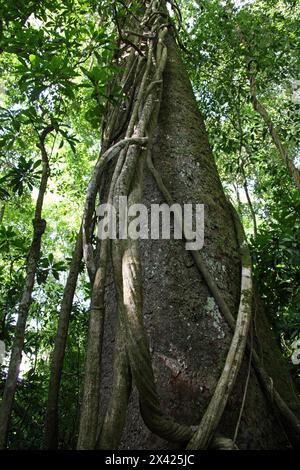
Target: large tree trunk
<point x="187" y="306"/>
<point x="189" y="338"/>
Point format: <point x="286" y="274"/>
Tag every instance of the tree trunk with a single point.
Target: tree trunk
<point x="51" y="420"/>
<point x="249" y="201"/>
<point x="189" y="338"/>
<point x="39" y="226"/>
<point x="2" y="211"/>
<point x="262" y="111"/>
<point x="167" y="326"/>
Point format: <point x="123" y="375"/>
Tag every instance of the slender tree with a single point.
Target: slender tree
<point x="39" y="226"/>
<point x="51" y="420"/>
<point x="261" y="109"/>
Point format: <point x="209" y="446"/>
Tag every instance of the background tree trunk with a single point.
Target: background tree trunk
<point x="189" y="338"/>
<point x="39" y="226"/>
<point x="57" y="361"/>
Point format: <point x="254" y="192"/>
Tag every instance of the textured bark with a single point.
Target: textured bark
<point x="39" y="226"/>
<point x="189" y="339"/>
<point x="51" y="420"/>
<point x="91" y="392"/>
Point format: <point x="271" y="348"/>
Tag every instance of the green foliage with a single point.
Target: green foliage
<point x="48" y="266"/>
<point x="10" y="241"/>
<point x="55" y="60"/>
<point x="276" y="253"/>
<point x="26" y="174"/>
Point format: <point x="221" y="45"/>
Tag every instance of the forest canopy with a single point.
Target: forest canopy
<point x="60" y="73"/>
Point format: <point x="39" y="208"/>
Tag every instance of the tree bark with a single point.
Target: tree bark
<point x="39" y="226"/>
<point x="171" y="332"/>
<point x="2" y="211"/>
<point x="189" y="338"/>
<point x="249" y="201"/>
<point x="51" y="420"/>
